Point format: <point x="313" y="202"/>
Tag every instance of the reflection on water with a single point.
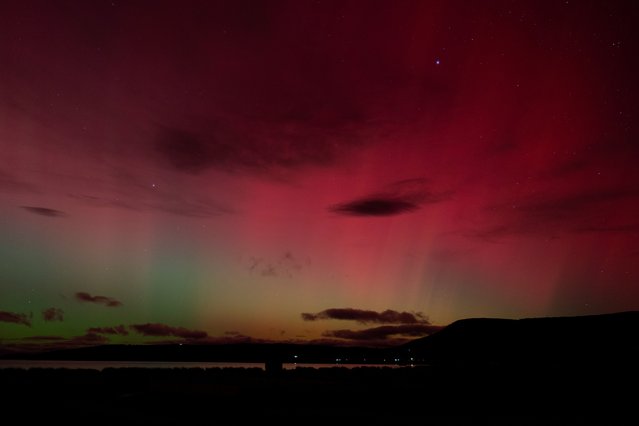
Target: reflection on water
<point x="101" y="365"/>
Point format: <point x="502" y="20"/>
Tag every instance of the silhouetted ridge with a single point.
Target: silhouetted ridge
<point x="558" y="340"/>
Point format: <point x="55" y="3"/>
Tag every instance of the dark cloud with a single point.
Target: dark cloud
<point x="118" y="329"/>
<point x="242" y="338"/>
<point x="231" y="339"/>
<point x="567" y="168"/>
<point x="44" y="211"/>
<point x="185" y="151"/>
<point x="367" y="317"/>
<point x="383" y="332"/>
<point x="87" y="339"/>
<point x="34" y="344"/>
<point x="401" y="197"/>
<point x="102" y="300"/>
<point x="375" y="206"/>
<point x="53" y="314"/>
<point x="12" y="317"/>
<point x="156" y="329"/>
<point x="627" y="228"/>
<point x="44" y="338"/>
<point x="267" y="146"/>
<point x="220" y="340"/>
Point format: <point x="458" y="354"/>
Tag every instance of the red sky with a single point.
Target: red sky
<point x="228" y="166"/>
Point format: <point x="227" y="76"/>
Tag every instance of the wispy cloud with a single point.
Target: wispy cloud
<point x="87" y="339"/>
<point x="34" y="344"/>
<point x="286" y="265"/>
<point x="44" y="338"/>
<point x="9" y="183"/>
<point x="44" y="211"/>
<point x="553" y="215"/>
<point x="53" y="314"/>
<point x="101" y="300"/>
<point x="560" y="207"/>
<point x="384" y="332"/>
<point x="15" y="318"/>
<point x="156" y="199"/>
<point x="118" y="329"/>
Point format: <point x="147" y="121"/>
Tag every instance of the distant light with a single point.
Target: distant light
<point x="437" y="61"/>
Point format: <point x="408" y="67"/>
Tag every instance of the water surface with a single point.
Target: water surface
<point x="101" y="365"/>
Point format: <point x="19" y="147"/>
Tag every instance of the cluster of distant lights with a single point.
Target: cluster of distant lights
<point x="338" y="360"/>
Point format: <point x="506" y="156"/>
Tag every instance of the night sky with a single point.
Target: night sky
<point x="358" y="172"/>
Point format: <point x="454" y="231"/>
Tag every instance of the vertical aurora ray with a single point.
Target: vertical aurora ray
<point x="246" y="165"/>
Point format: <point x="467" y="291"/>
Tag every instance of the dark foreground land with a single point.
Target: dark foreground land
<point x="522" y="395"/>
<point x="547" y="371"/>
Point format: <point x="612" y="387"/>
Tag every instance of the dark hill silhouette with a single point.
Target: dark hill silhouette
<point x="558" y="340"/>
